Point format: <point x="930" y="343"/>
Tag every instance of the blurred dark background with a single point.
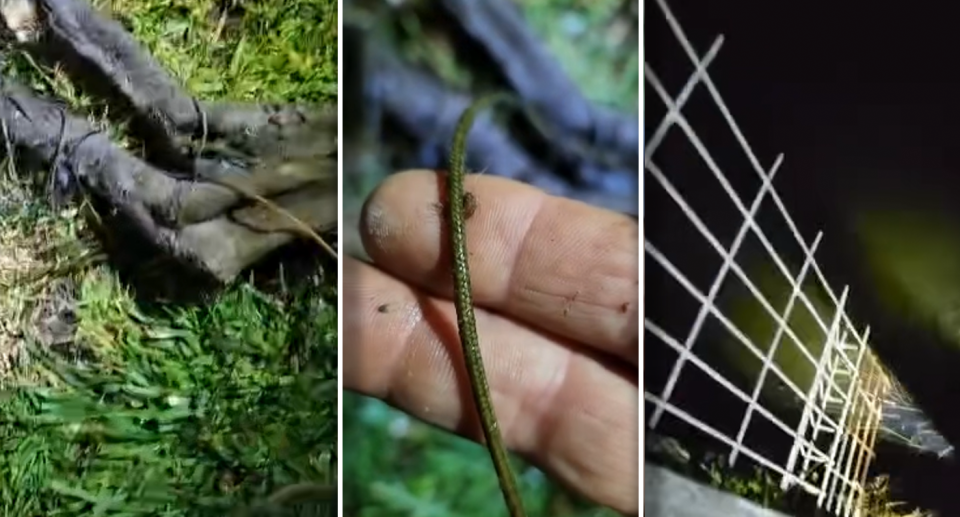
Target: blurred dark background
<point x="851" y="92"/>
<point x="411" y="67"/>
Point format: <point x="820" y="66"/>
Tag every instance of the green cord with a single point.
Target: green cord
<point x="460" y="206"/>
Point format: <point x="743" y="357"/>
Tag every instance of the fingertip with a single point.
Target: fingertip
<point x="401" y="224"/>
<point x="403" y="206"/>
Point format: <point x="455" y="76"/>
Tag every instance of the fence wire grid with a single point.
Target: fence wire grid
<point x="808" y="351"/>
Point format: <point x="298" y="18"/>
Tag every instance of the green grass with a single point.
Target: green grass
<point x="394" y="465"/>
<point x="195" y="412"/>
<point x="278" y="51"/>
<point x="593" y="45"/>
<point x="165" y="410"/>
<point x="763" y="487"/>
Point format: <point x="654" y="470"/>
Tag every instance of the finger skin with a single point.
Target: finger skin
<point x="559" y="406"/>
<point x="559" y="264"/>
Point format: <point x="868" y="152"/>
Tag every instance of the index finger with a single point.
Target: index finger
<point x="558" y="264"/>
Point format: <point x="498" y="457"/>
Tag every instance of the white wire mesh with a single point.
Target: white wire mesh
<point x="840" y="408"/>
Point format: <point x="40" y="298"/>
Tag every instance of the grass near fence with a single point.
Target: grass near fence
<point x="762" y="488"/>
<point x="111" y="407"/>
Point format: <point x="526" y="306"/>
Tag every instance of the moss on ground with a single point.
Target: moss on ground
<point x="109" y="407"/>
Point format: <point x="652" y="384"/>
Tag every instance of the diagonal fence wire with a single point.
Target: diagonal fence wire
<point x="842" y="404"/>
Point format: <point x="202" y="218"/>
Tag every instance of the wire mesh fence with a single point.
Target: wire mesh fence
<point x="746" y="345"/>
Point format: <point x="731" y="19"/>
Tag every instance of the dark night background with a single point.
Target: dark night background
<point x="862" y="99"/>
<point x="844" y="89"/>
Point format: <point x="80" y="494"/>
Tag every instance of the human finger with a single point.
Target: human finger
<point x="571" y="414"/>
<point x="559" y="264"/>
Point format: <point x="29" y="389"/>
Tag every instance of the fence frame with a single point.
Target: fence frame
<point x="845" y="353"/>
